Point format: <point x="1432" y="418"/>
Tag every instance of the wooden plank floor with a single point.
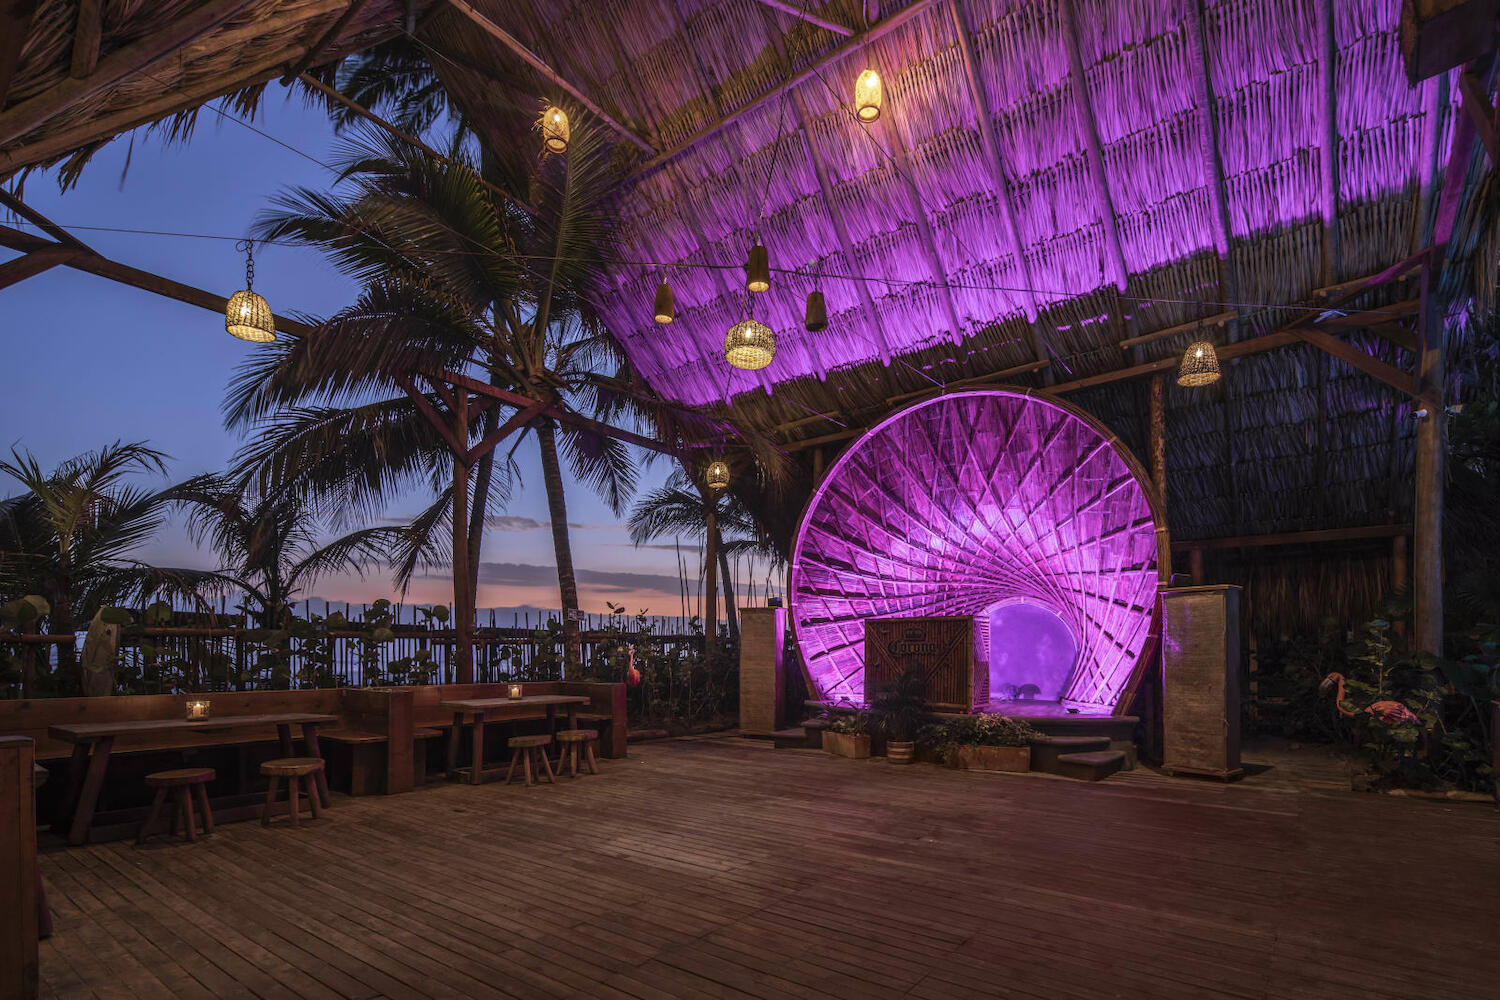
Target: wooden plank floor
<point x="720" y="868"/>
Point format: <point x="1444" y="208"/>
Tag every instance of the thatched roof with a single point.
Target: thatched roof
<point x="1212" y="190"/>
<point x="90" y="69"/>
<point x="1050" y="183"/>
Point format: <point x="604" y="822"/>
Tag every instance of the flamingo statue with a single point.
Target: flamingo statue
<point x="632" y="675"/>
<point x="1392" y="713"/>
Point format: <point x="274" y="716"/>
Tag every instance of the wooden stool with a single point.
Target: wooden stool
<point x="295" y="770"/>
<point x="530" y="753"/>
<point x="185" y="784"/>
<point x="576" y="742"/>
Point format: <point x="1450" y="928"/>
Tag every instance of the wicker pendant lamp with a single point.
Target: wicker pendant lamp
<point x="867" y="96"/>
<point x="717" y="475"/>
<point x="555" y="129"/>
<point x="817" y="313"/>
<point x="758" y="269"/>
<point x="248" y="316"/>
<point x="1200" y="365"/>
<point x="666" y="305"/>
<point x="750" y="345"/>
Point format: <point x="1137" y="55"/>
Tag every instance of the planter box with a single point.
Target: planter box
<point x="994" y="758"/>
<point x="844" y="745"/>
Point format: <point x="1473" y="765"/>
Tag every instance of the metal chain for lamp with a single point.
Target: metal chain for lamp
<point x="249" y="247"/>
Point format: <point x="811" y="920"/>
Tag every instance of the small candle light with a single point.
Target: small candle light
<point x="197" y="710"/>
<point x="515" y="690"/>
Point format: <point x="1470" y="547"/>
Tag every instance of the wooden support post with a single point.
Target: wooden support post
<point x="1159" y="440"/>
<point x="18" y="881"/>
<point x="1400" y="567"/>
<point x="1195" y="566"/>
<point x="15" y="23"/>
<point x="1431" y="472"/>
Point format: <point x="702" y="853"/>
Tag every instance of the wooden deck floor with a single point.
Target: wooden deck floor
<point x="721" y="868"/>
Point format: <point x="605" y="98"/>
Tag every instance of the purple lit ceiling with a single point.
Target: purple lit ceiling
<point x="1153" y="222"/>
<point x="968" y="501"/>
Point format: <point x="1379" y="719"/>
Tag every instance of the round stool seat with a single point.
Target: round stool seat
<point x="537" y="740"/>
<point x="577" y="735"/>
<point x="180" y="776"/>
<point x="292" y="767"/>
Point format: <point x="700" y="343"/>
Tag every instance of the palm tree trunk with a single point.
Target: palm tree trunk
<point x="463" y="590"/>
<point x="480" y="509"/>
<point x="731" y="613"/>
<point x="557" y="510"/>
<point x="711" y="581"/>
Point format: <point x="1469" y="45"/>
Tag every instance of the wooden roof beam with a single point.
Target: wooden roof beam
<point x="93" y="263"/>
<point x="1212" y="160"/>
<point x="15" y="23"/>
<point x="1328" y="171"/>
<point x="119" y="65"/>
<point x="999" y="176"/>
<point x="919" y="215"/>
<point x="808" y="16"/>
<point x="1083" y="108"/>
<point x="840" y="228"/>
<point x="325" y="39"/>
<point x="34" y="263"/>
<point x="1481" y="112"/>
<point x="548" y="73"/>
<point x="855" y="44"/>
<point x="88" y="32"/>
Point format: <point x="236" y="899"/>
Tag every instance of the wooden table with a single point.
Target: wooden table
<point x="477" y="711"/>
<point x="86" y="770"/>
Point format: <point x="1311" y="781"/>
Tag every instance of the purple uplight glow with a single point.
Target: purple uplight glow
<point x="968" y="504"/>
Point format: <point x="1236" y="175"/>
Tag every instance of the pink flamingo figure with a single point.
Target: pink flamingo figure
<point x="1392" y="713"/>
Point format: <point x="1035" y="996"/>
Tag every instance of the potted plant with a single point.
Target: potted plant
<point x="898" y="712"/>
<point x="987" y="742"/>
<point x="847" y="736"/>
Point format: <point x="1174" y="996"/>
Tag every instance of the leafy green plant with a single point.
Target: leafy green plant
<point x="899" y="709"/>
<point x="848" y="723"/>
<point x="985" y="729"/>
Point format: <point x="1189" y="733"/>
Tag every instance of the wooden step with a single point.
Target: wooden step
<point x="1046" y="749"/>
<point x="794" y="738"/>
<point x="1094" y="766"/>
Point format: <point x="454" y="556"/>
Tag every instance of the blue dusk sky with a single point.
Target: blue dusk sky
<point x="89" y="361"/>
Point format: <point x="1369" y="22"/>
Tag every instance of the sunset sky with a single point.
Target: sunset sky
<point x="89" y="361"/>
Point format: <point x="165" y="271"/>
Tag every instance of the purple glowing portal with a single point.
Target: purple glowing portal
<point x="971" y="504"/>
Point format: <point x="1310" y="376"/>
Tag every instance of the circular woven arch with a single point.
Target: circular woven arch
<point x="968" y="501"/>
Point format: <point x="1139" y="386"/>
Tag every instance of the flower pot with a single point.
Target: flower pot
<point x="977" y="758"/>
<point x="900" y="752"/>
<point x="844" y="745"/>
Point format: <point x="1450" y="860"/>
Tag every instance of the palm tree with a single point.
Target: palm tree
<point x="69" y="535"/>
<point x="678" y="510"/>
<point x="269" y="542"/>
<point x="449" y="284"/>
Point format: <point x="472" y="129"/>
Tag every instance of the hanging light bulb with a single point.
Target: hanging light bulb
<point x="555" y="130"/>
<point x="1200" y="365"/>
<point x="749" y="345"/>
<point x="867" y="96"/>
<point x="817" y="313"/>
<point x="717" y="475"/>
<point x="666" y="306"/>
<point x="248" y="316"/>
<point x="758" y="268"/>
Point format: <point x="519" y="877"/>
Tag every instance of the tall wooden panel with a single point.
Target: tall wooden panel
<point x="762" y="679"/>
<point x="949" y="650"/>
<point x="18" y="911"/>
<point x="1200" y="681"/>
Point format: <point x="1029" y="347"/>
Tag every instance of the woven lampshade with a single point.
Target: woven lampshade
<point x="555" y="130"/>
<point x="717" y="475"/>
<point x="817" y="313"/>
<point x="750" y="345"/>
<point x="758" y="269"/>
<point x="666" y="306"/>
<point x="248" y="317"/>
<point x="867" y="96"/>
<point x="1200" y="365"/>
